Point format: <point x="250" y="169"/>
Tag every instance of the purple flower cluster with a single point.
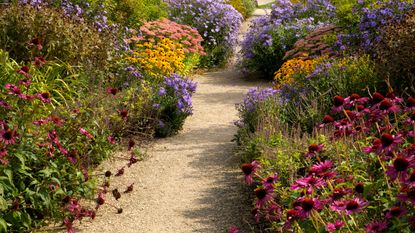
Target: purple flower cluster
<point x="284" y="11"/>
<point x="182" y="89"/>
<point x="373" y="17"/>
<point x="251" y="102"/>
<point x="216" y="21"/>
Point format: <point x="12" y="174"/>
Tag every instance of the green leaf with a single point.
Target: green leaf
<point x="3" y="226"/>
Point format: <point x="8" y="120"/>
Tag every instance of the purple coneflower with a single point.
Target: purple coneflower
<point x="377" y="97"/>
<point x="44" y="97"/>
<point x="399" y="167"/>
<point x="308" y="204"/>
<point x="320" y="167"/>
<point x="332" y="227"/>
<point x="308" y="182"/>
<point x="396" y="212"/>
<point x="39" y="61"/>
<point x="338" y="102"/>
<point x="249" y="170"/>
<point x="349" y="206"/>
<point x="24" y="70"/>
<point x="376" y="226"/>
<point x="407" y="194"/>
<point x="5" y="105"/>
<point x="84" y="132"/>
<point x="313" y="149"/>
<point x="112" y="91"/>
<point x="270" y="181"/>
<point x="123" y="113"/>
<point x="263" y="196"/>
<point x="8" y="136"/>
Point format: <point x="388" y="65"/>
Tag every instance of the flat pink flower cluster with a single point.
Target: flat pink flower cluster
<point x="164" y="28"/>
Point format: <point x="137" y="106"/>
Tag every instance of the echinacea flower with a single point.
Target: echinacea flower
<point x="39" y="61"/>
<point x="308" y="183"/>
<point x="123" y="113"/>
<point x="273" y="212"/>
<point x="44" y="97"/>
<point x="263" y="196"/>
<point x="25" y="82"/>
<point x="36" y="42"/>
<point x="233" y="229"/>
<point x="112" y="90"/>
<point x="359" y="187"/>
<point x="249" y="170"/>
<point x="3" y="154"/>
<point x="328" y="119"/>
<point x="389" y="142"/>
<point x="332" y="227"/>
<point x="307" y="205"/>
<point x="399" y="167"/>
<point x="24" y="70"/>
<point x="270" y="181"/>
<point x="313" y="149"/>
<point x="338" y="102"/>
<point x="396" y="212"/>
<point x="56" y="120"/>
<point x="320" y="167"/>
<point x="339" y="193"/>
<point x="376" y="226"/>
<point x="377" y="97"/>
<point x="5" y="105"/>
<point x="349" y="206"/>
<point x="410" y="102"/>
<point x="8" y="136"/>
<point x="68" y="223"/>
<point x="84" y="132"/>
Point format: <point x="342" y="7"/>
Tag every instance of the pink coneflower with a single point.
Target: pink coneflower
<point x="320" y="167"/>
<point x="377" y="97"/>
<point x="36" y="42"/>
<point x="389" y="141"/>
<point x="273" y="213"/>
<point x="53" y="136"/>
<point x="123" y="113"/>
<point x="112" y="91"/>
<point x="24" y="70"/>
<point x="338" y="102"/>
<point x="44" y="97"/>
<point x="84" y="132"/>
<point x="313" y="149"/>
<point x="376" y="144"/>
<point x="8" y="136"/>
<point x="407" y="194"/>
<point x="249" y="170"/>
<point x="256" y="214"/>
<point x="111" y="139"/>
<point x="328" y="119"/>
<point x="3" y="154"/>
<point x="263" y="196"/>
<point x="270" y="181"/>
<point x="40" y="122"/>
<point x="410" y="102"/>
<point x="72" y="156"/>
<point x="308" y="204"/>
<point x="359" y="187"/>
<point x="5" y="105"/>
<point x="14" y="90"/>
<point x="339" y="193"/>
<point x="25" y="96"/>
<point x="376" y="226"/>
<point x="396" y="212"/>
<point x="25" y="82"/>
<point x="387" y="106"/>
<point x="349" y="206"/>
<point x="308" y="182"/>
<point x="73" y="206"/>
<point x="355" y="99"/>
<point x="292" y="215"/>
<point x="233" y="229"/>
<point x="68" y="223"/>
<point x="56" y="120"/>
<point x="399" y="167"/>
<point x="39" y="61"/>
<point x="332" y="227"/>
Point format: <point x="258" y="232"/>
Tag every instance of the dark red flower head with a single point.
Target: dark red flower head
<point x="260" y="193"/>
<point x="385" y="104"/>
<point x="352" y="205"/>
<point x="307" y="204"/>
<point x="410" y="102"/>
<point x="391" y="95"/>
<point x="338" y="101"/>
<point x="354" y="96"/>
<point x="400" y="164"/>
<point x="359" y="187"/>
<point x="328" y="119"/>
<point x="112" y="91"/>
<point x="386" y="139"/>
<point x="377" y="97"/>
<point x="247" y="168"/>
<point x="123" y="113"/>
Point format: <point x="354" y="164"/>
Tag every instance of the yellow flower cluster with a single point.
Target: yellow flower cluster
<point x="161" y="58"/>
<point x="295" y="67"/>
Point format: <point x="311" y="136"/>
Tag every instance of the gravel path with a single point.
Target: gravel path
<point x="190" y="182"/>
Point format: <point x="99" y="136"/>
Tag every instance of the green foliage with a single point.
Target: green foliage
<point x="28" y="32"/>
<point x="245" y="7"/>
<point x="58" y="134"/>
<point x="133" y="13"/>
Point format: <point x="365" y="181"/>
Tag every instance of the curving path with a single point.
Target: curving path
<point x="190" y="182"/>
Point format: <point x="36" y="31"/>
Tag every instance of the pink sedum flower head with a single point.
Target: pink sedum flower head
<point x="249" y="170"/>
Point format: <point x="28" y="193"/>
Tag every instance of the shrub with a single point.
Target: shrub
<point x="245" y="7"/>
<point x="217" y="22"/>
<point x="29" y="32"/>
<point x="394" y="57"/>
<point x="174" y="104"/>
<point x="355" y="176"/>
<point x="52" y="135"/>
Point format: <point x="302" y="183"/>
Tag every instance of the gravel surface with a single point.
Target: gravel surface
<point x="190" y="182"/>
